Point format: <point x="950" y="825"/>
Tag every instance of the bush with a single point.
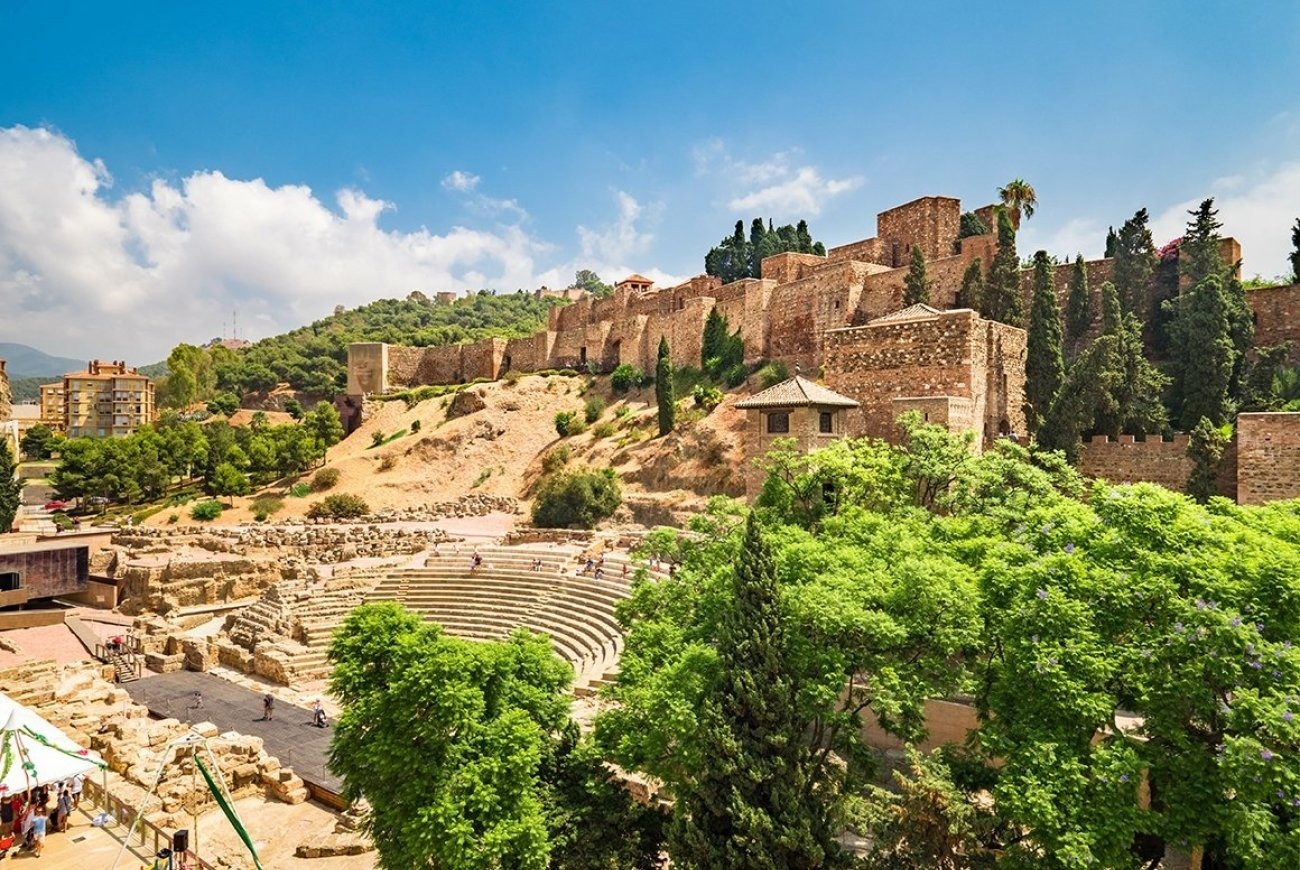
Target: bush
<point x="388" y="463"/>
<point x="206" y="510"/>
<point x="625" y="377"/>
<point x="569" y="423"/>
<point x="707" y="397"/>
<point x="267" y="505"/>
<point x="300" y="490"/>
<point x="338" y="507"/>
<point x="604" y="430"/>
<point x="734" y="376"/>
<point x="415" y="426"/>
<point x="556" y="459"/>
<point x="511" y="377"/>
<point x="772" y="374"/>
<point x="594" y="408"/>
<point x="578" y="498"/>
<point x="377" y="439"/>
<point x="324" y="479"/>
<point x="173" y="519"/>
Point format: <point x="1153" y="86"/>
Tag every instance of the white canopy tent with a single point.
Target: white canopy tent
<point x="33" y="752"/>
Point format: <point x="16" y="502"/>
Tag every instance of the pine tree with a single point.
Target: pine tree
<point x="1112" y="242"/>
<point x="664" y="397"/>
<point x="1135" y="261"/>
<point x="1199" y="255"/>
<point x="10" y="488"/>
<point x="971" y="294"/>
<point x="751" y="805"/>
<point x="1002" y="297"/>
<point x="1295" y="253"/>
<point x="916" y="287"/>
<point x="1111" y="313"/>
<point x="1044" y="364"/>
<point x="1078" y="308"/>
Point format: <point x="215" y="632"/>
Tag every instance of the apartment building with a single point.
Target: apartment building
<point x="106" y="399"/>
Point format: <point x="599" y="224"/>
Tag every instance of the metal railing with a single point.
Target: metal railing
<point x="146" y="839"/>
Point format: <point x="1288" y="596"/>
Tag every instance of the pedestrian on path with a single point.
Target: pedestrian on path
<point x="268" y="707"/>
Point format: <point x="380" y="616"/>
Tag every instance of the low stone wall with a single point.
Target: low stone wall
<point x="1128" y="460"/>
<point x="1268" y="457"/>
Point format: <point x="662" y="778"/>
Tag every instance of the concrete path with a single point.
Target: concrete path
<point x="290" y="736"/>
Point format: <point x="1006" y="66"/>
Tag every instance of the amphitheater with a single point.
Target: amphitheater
<point x="552" y="589"/>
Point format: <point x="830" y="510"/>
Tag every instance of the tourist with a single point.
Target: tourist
<point x="624" y="570"/>
<point x="268" y="707"/>
<point x="537" y="564"/>
<point x="63" y="810"/>
<point x="600" y="572"/>
<point x="78" y="782"/>
<point x="198" y="701"/>
<point x="591" y="564"/>
<point x="38" y="833"/>
<point x="318" y="714"/>
<point x="475" y="561"/>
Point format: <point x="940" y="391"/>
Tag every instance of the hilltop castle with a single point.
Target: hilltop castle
<point x="839" y="317"/>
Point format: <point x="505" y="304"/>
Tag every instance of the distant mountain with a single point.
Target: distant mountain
<point x="22" y="361"/>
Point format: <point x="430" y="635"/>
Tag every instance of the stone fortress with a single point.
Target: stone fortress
<point x="837" y="318"/>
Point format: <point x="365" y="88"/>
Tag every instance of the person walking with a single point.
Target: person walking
<point x="268" y="707"/>
<point x="38" y="833"/>
<point x="63" y="810"/>
<point x="78" y="782"/>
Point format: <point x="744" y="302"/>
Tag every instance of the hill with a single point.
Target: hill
<point x="24" y="361"/>
<point x="313" y="359"/>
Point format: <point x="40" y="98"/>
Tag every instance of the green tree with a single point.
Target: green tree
<point x="1112" y="313"/>
<point x="1294" y="256"/>
<point x="1205" y="446"/>
<point x="1135" y="261"/>
<point x="1112" y="242"/>
<point x="1078" y="307"/>
<point x="445" y="738"/>
<point x="586" y="279"/>
<point x="1019" y="198"/>
<point x="227" y="480"/>
<point x="1003" y="299"/>
<point x="714" y="338"/>
<point x="971" y="225"/>
<point x="664" y="396"/>
<point x="40" y="442"/>
<point x="1203" y="355"/>
<point x="971" y="294"/>
<point x="225" y="404"/>
<point x="916" y="286"/>
<point x="578" y="498"/>
<point x="11" y="488"/>
<point x="1044" y="361"/>
<point x="730" y="259"/>
<point x="325" y="426"/>
<point x="751" y="805"/>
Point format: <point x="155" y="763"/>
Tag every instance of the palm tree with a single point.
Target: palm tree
<point x="1019" y="196"/>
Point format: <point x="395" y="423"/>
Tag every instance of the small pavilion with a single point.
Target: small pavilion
<point x="795" y="408"/>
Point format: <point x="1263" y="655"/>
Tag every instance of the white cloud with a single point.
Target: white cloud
<point x="788" y="189"/>
<point x="1258" y="211"/>
<point x="464" y="182"/>
<point x="1077" y="236"/>
<point x="86" y="275"/>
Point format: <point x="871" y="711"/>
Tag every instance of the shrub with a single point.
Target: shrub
<point x="388" y="463"/>
<point x="511" y="377"/>
<point x="707" y="397"/>
<point x="481" y="479"/>
<point x="206" y="510"/>
<point x="415" y="426"/>
<point x="772" y="374"/>
<point x="569" y="423"/>
<point x="625" y="377"/>
<point x="556" y="459"/>
<point x="172" y="519"/>
<point x="594" y="408"/>
<point x="340" y="506"/>
<point x="577" y="498"/>
<point x="377" y="439"/>
<point x="734" y="376"/>
<point x="267" y="505"/>
<point x="604" y="430"/>
<point x="300" y="490"/>
<point x="324" y="479"/>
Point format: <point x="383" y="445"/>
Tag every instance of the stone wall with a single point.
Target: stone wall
<point x="6" y="396"/>
<point x="46" y="571"/>
<point x="932" y="222"/>
<point x="1268" y="457"/>
<point x="1128" y="460"/>
<point x="951" y="354"/>
<point x="1277" y="317"/>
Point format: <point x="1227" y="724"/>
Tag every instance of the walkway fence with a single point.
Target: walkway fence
<point x="147" y="840"/>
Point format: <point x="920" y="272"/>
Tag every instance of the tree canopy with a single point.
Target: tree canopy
<point x="739" y="256"/>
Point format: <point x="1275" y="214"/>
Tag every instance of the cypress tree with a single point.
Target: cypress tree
<point x="751" y="805"/>
<point x="715" y="333"/>
<point x="1112" y="242"/>
<point x="758" y="247"/>
<point x="1203" y="355"/>
<point x="971" y="294"/>
<point x="1111" y="313"/>
<point x="1295" y="254"/>
<point x="916" y="287"/>
<point x="664" y="397"/>
<point x="10" y="488"/>
<point x="1135" y="261"/>
<point x="1078" y="308"/>
<point x="805" y="237"/>
<point x="1044" y="364"/>
<point x="1002" y="297"/>
<point x="1205" y="447"/>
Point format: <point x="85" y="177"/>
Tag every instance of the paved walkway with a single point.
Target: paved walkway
<point x="290" y="736"/>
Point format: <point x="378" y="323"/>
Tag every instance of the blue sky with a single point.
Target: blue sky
<point x="160" y="166"/>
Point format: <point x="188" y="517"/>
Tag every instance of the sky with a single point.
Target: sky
<point x="167" y="169"/>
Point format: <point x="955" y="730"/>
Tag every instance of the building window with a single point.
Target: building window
<point x="826" y="422"/>
<point x="9" y="581"/>
<point x="778" y="423"/>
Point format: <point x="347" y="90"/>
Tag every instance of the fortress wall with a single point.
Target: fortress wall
<point x="1131" y="461"/>
<point x="879" y="363"/>
<point x="367" y="368"/>
<point x="1277" y="317"/>
<point x="871" y="250"/>
<point x="932" y="222"/>
<point x="529" y="354"/>
<point x="482" y="359"/>
<point x="747" y="312"/>
<point x="1268" y="457"/>
<point x="790" y="266"/>
<point x="801" y="311"/>
<point x="1003" y="352"/>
